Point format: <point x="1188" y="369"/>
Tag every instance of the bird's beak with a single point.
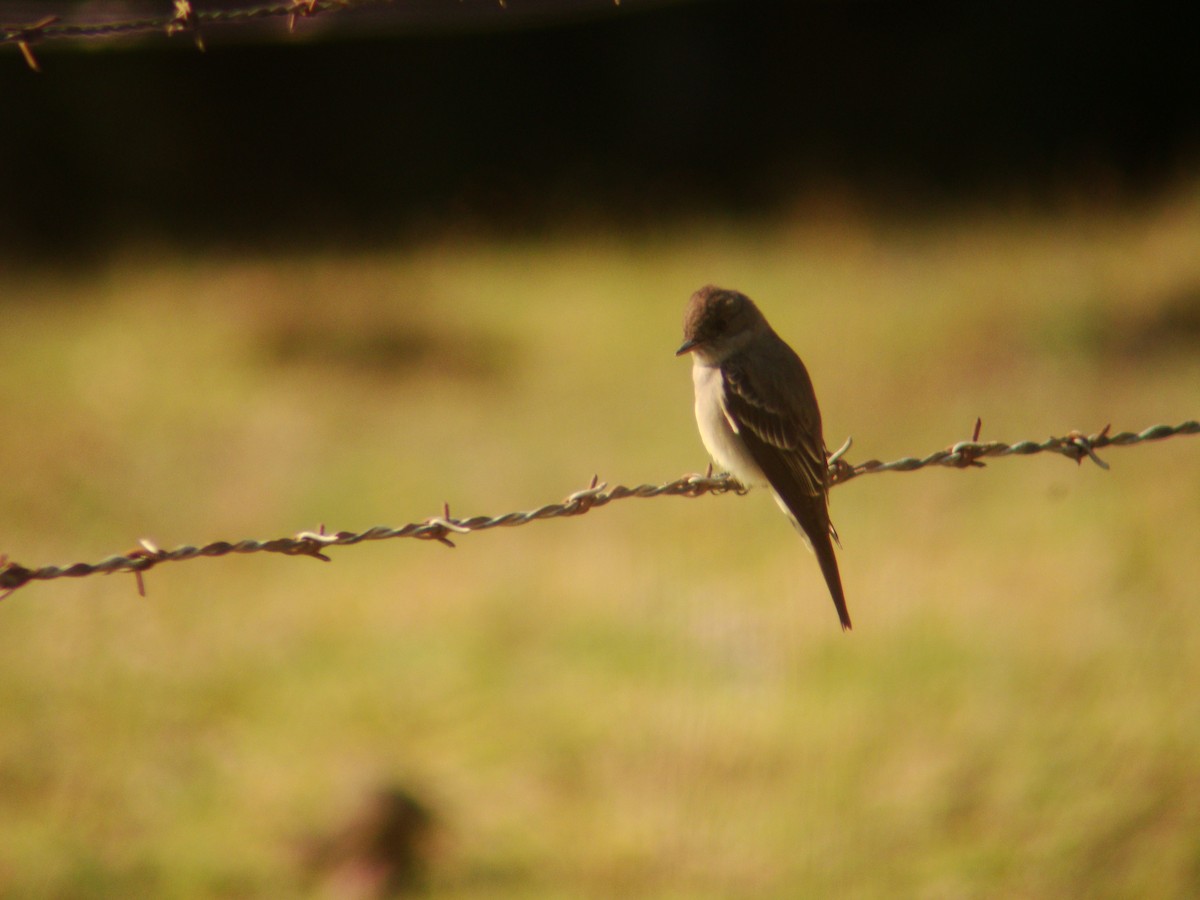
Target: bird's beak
<point x="687" y="347"/>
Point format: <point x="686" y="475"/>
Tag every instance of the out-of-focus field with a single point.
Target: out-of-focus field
<point x="653" y="699"/>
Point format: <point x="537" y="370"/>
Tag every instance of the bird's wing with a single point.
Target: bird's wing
<point x="779" y="420"/>
<point x="773" y="407"/>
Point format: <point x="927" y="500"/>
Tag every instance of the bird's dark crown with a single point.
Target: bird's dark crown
<point x="715" y="313"/>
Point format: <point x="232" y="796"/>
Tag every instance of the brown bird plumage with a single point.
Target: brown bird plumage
<point x="758" y="416"/>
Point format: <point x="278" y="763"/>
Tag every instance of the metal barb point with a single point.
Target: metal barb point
<point x="186" y="20"/>
<point x="4" y="592"/>
<point x="837" y="454"/>
<point x="1081" y="445"/>
<point x="12" y="576"/>
<point x="30" y="59"/>
<point x="305" y="8"/>
<point x="30" y="35"/>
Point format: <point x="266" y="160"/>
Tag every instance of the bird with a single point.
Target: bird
<point x="758" y="416"/>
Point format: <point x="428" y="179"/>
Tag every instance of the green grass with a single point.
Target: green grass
<point x="654" y="699"/>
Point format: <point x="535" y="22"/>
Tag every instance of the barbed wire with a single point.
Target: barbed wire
<point x="183" y="18"/>
<point x="964" y="454"/>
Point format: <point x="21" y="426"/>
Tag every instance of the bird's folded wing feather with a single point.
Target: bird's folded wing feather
<point x="778" y="418"/>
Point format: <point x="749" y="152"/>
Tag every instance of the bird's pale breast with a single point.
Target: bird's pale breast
<point x="724" y="444"/>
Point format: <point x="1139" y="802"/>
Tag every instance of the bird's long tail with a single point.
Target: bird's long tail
<point x="819" y="535"/>
<point x="829" y="568"/>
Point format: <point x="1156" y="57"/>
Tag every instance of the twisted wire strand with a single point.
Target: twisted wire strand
<point x="183" y="18"/>
<point x="963" y="454"/>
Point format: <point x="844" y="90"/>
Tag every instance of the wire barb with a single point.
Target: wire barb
<point x="301" y="8"/>
<point x="183" y="18"/>
<point x="965" y="454"/>
<point x="26" y="36"/>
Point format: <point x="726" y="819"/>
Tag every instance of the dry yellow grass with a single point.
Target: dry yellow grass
<point x="652" y="700"/>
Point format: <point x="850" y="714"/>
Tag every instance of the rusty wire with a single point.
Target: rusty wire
<point x="183" y="18"/>
<point x="964" y="454"/>
<point x="178" y="16"/>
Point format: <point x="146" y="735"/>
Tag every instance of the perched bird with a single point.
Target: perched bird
<point x="758" y="416"/>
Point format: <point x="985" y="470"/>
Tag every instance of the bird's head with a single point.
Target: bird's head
<point x="719" y="322"/>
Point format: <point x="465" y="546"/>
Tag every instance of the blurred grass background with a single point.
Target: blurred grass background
<point x="654" y="699"/>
